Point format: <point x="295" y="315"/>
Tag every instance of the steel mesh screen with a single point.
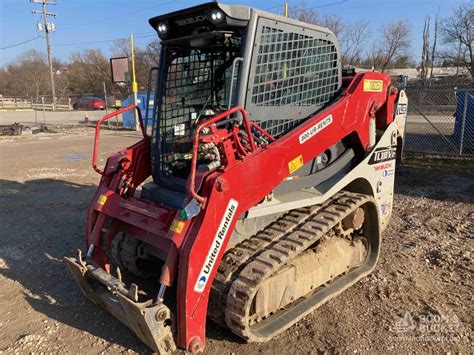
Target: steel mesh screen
<point x="295" y="70"/>
<point x="196" y="80"/>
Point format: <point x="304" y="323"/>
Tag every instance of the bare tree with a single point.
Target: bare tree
<point x="352" y="42"/>
<point x="334" y="24"/>
<point x="425" y="49"/>
<point x="435" y="42"/>
<point x="121" y="48"/>
<point x="393" y="45"/>
<point x="152" y="51"/>
<point x="301" y="13"/>
<point x="458" y="34"/>
<point x="87" y="71"/>
<point x="350" y="36"/>
<point x="84" y="73"/>
<point x="145" y="58"/>
<point x="61" y="80"/>
<point x="26" y="76"/>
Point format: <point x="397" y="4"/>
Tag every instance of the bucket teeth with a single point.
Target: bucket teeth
<point x="133" y="292"/>
<point x="152" y="323"/>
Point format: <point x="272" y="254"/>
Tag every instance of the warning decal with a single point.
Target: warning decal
<point x="295" y="164"/>
<point x="373" y="85"/>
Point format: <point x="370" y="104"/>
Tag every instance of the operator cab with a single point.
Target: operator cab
<point x="199" y="49"/>
<point x="214" y="57"/>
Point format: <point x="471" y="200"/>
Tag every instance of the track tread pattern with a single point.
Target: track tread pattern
<point x="242" y="272"/>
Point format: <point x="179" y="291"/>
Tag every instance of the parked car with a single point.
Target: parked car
<point x="89" y="103"/>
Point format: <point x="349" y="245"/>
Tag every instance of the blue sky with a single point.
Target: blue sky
<point x="80" y="21"/>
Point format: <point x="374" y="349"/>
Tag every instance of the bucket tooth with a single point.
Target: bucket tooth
<point x="150" y="322"/>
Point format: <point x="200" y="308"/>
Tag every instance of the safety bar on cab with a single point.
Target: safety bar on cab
<point x="247" y="126"/>
<point x="107" y="117"/>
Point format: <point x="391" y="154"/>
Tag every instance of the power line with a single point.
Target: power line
<point x="19" y="44"/>
<point x="274" y="7"/>
<point x="107" y="19"/>
<point x="308" y="8"/>
<point x="319" y="6"/>
<point x="148" y="34"/>
<point x="102" y="41"/>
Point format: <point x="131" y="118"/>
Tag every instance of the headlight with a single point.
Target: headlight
<point x="217" y="16"/>
<point x="162" y="28"/>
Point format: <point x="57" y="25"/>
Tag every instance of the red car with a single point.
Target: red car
<point x="89" y="103"/>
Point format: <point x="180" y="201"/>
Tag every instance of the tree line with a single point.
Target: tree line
<point x="85" y="72"/>
<point x="390" y="47"/>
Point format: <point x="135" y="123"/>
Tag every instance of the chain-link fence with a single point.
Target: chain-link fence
<point x="440" y="120"/>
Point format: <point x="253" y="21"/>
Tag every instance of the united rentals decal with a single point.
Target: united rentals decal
<point x="216" y="246"/>
<point x="318" y="127"/>
<point x="383" y="154"/>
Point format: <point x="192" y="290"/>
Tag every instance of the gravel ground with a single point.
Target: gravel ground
<point x="419" y="299"/>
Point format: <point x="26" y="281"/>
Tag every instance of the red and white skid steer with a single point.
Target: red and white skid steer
<point x="261" y="190"/>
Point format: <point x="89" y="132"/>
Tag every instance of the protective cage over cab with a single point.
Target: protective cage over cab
<point x="216" y="56"/>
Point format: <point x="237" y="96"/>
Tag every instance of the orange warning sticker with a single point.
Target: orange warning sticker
<point x="295" y="164"/>
<point x="177" y="226"/>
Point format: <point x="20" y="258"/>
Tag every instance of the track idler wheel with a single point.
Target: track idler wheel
<point x="351" y="223"/>
<point x="126" y="253"/>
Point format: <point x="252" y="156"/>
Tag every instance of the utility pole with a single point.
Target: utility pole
<point x="48" y="27"/>
<point x="286" y="8"/>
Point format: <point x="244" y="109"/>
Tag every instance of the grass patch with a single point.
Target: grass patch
<point x="440" y="162"/>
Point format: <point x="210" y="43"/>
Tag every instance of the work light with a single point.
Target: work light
<point x="217" y="16"/>
<point x="162" y="28"/>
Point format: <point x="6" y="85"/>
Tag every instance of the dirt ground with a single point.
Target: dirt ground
<point x="419" y="299"/>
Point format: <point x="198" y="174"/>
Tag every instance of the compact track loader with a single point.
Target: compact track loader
<point x="261" y="191"/>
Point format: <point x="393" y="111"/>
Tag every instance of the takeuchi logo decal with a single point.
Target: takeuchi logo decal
<point x="384" y="154"/>
<point x="216" y="245"/>
<point x="191" y="20"/>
